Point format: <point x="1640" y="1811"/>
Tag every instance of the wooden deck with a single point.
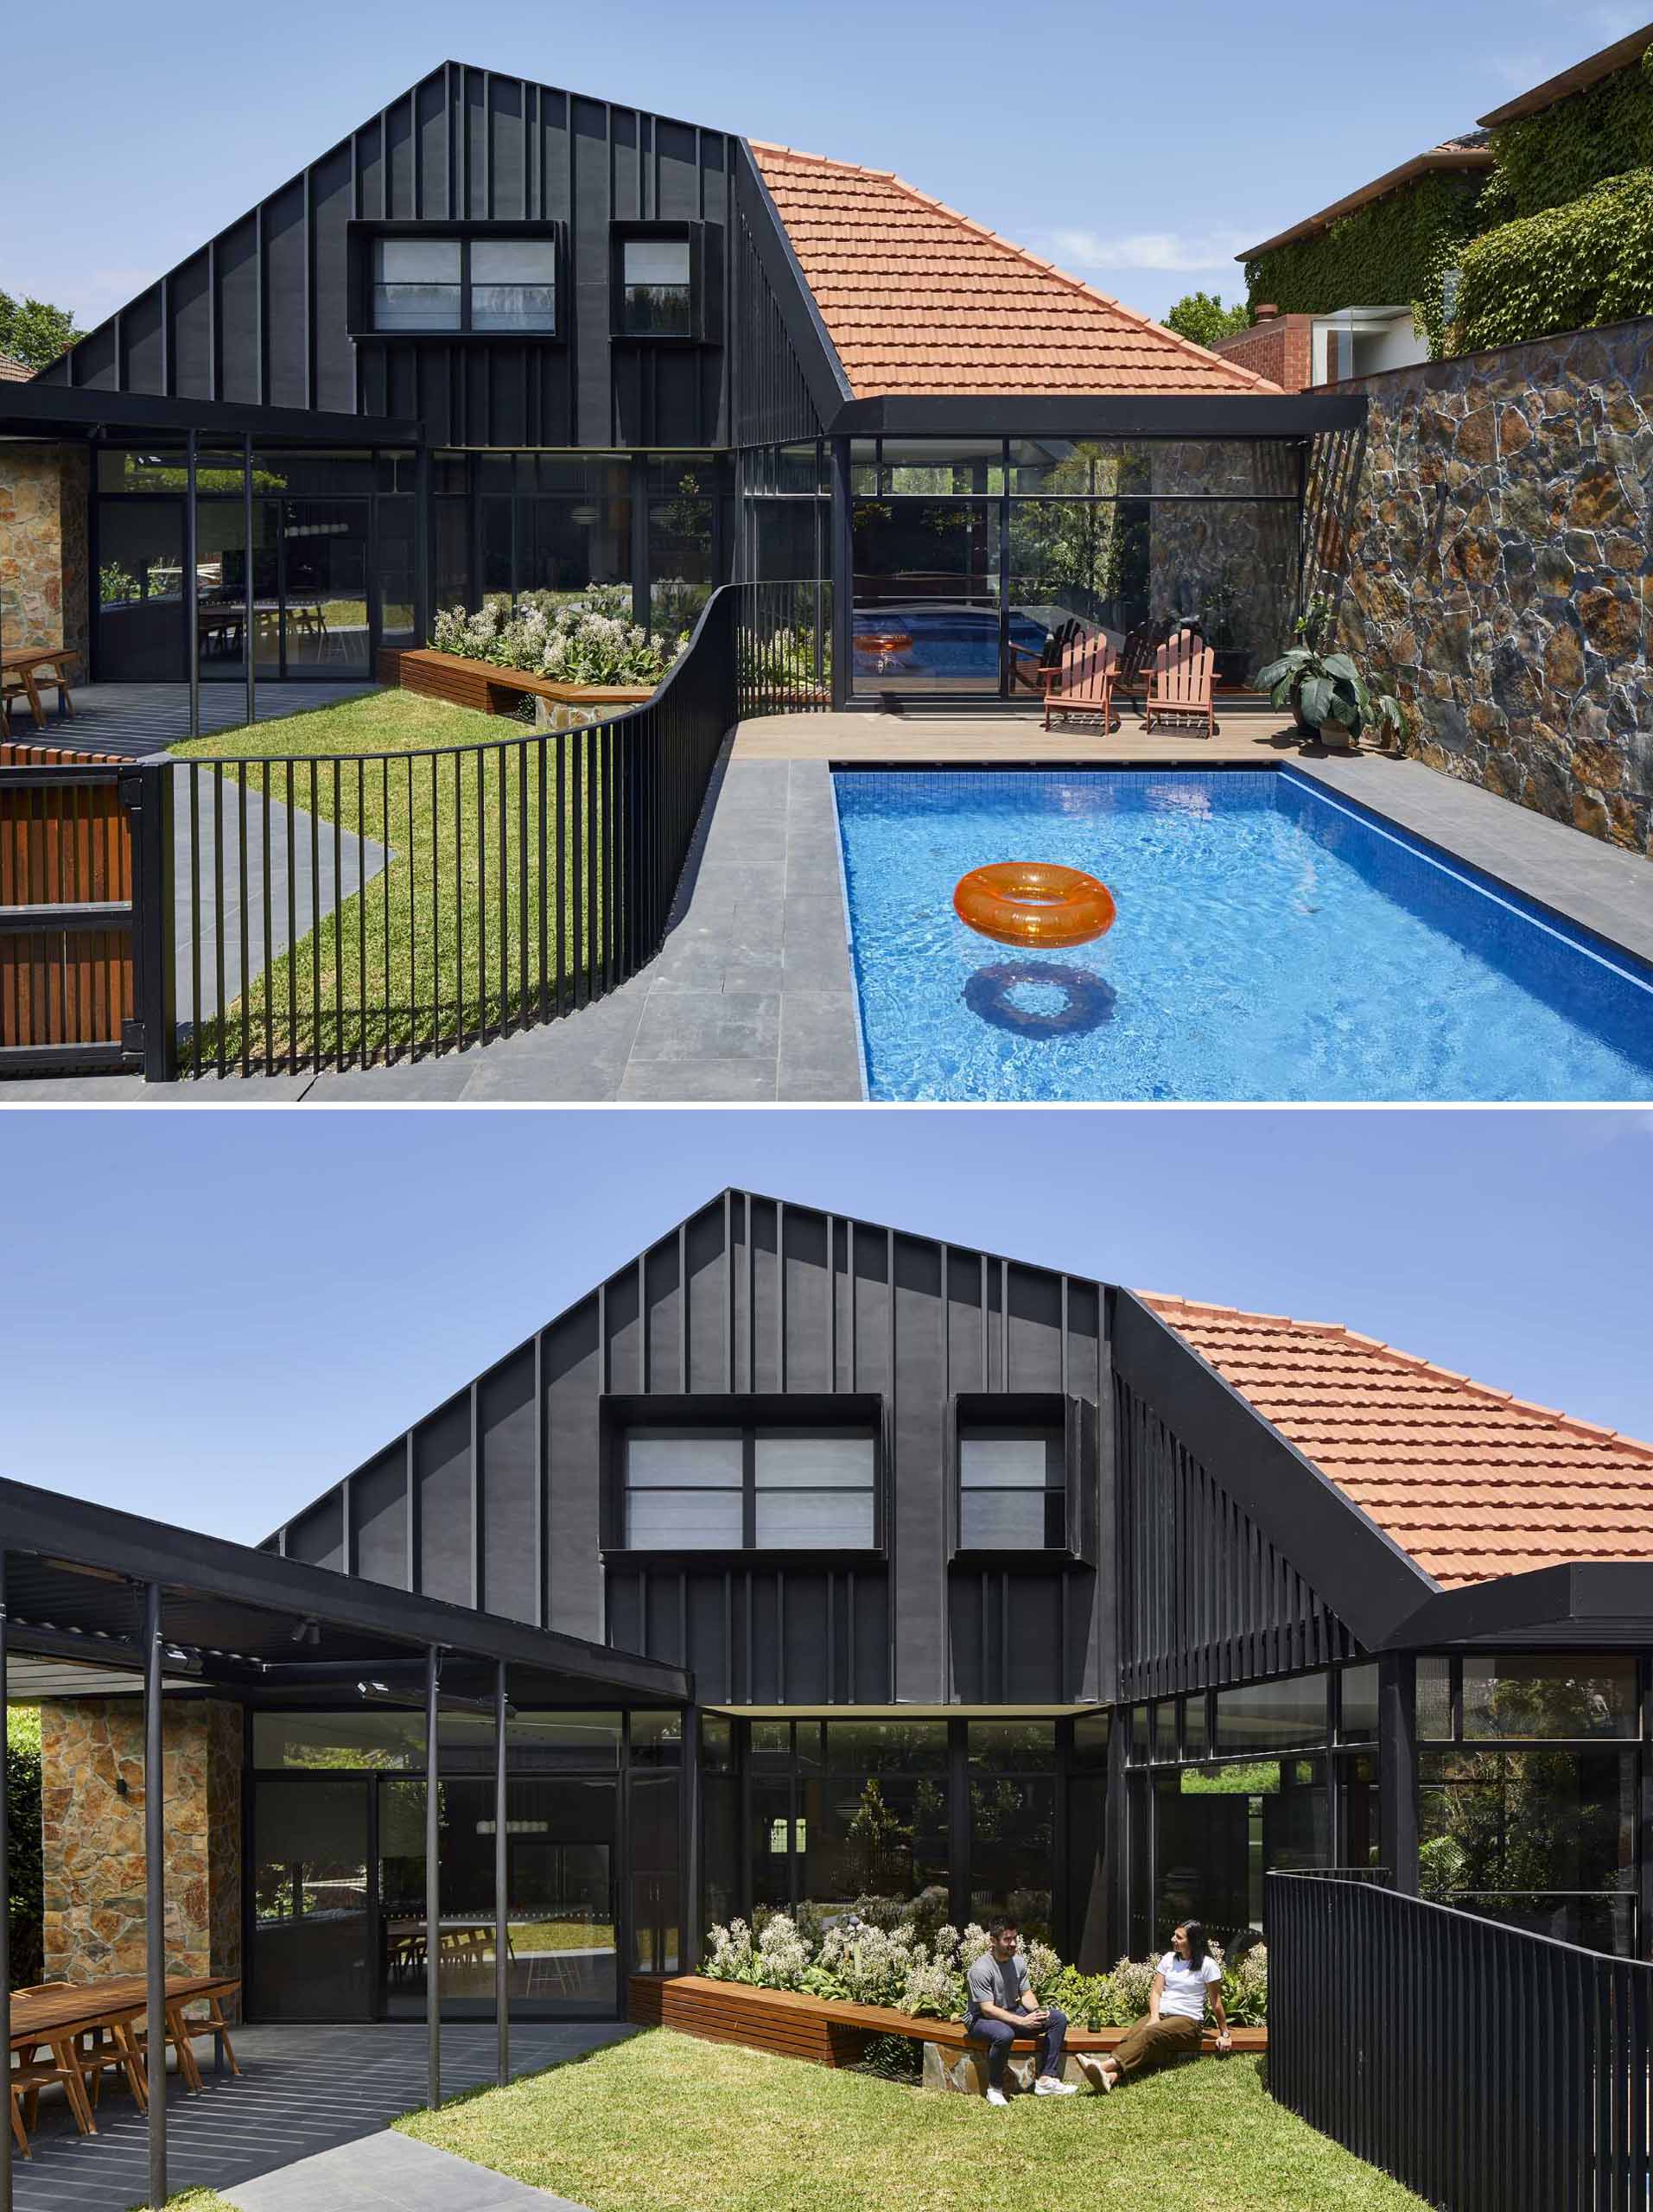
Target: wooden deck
<point x="1258" y="740"/>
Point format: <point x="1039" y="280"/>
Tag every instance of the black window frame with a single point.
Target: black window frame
<point x="364" y="237"/>
<point x="623" y="234"/>
<point x="1021" y="1415"/>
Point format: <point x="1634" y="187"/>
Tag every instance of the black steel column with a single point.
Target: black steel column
<point x="433" y="1885"/>
<point x="246" y="501"/>
<point x="689" y="1848"/>
<point x="1397" y="1768"/>
<point x="422" y="546"/>
<point x="5" y="1892"/>
<point x="154" y="1889"/>
<point x="192" y="586"/>
<point x="843" y="572"/>
<point x="1116" y="1830"/>
<point x="502" y="1869"/>
<point x="958" y="1822"/>
<point x="146" y="793"/>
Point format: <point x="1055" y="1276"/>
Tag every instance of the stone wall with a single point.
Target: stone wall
<point x="44" y="579"/>
<point x="1230" y="562"/>
<point x="92" y="1834"/>
<point x="1499" y="577"/>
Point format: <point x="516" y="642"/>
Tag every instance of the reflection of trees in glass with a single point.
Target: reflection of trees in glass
<point x="878" y="1842"/>
<point x="1522" y="1820"/>
<point x="1530" y="1697"/>
<point x="115" y="584"/>
<point x="1251" y="1778"/>
<point x="1006" y="1811"/>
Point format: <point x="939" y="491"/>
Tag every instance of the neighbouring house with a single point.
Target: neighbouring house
<point x="827" y="1560"/>
<point x="13" y="371"/>
<point x="504" y="337"/>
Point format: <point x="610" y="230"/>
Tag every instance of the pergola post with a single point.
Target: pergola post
<point x="5" y="1892"/>
<point x="246" y="505"/>
<point x="191" y="583"/>
<point x="1397" y="1767"/>
<point x="154" y="1888"/>
<point x="841" y="570"/>
<point x="433" y="1882"/>
<point x="501" y="1870"/>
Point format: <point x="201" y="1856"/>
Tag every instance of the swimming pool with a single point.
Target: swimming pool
<point x="1273" y="942"/>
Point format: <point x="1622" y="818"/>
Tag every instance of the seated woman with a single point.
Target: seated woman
<point x="1176" y="2012"/>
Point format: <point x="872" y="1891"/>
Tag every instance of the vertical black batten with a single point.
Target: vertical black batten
<point x="433" y="1884"/>
<point x="501" y="1875"/>
<point x="249" y="595"/>
<point x="155" y="1892"/>
<point x="191" y="594"/>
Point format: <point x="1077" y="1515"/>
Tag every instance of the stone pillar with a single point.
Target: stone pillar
<point x="44" y="581"/>
<point x="91" y="1836"/>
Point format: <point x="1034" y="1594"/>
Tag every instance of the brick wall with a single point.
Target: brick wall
<point x="1277" y="348"/>
<point x="1500" y="578"/>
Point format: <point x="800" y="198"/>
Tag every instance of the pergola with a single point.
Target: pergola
<point x="86" y="1585"/>
<point x="78" y="415"/>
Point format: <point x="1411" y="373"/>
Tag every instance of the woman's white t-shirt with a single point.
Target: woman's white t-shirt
<point x="1185" y="1986"/>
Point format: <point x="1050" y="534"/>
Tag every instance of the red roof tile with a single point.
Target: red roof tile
<point x="919" y="299"/>
<point x="1470" y="1481"/>
<point x="13" y="371"/>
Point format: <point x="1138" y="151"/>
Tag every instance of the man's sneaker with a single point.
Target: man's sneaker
<point x="997" y="2097"/>
<point x="1048" y="2086"/>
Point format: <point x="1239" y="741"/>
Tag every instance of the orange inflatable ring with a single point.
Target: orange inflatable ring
<point x="1034" y="902"/>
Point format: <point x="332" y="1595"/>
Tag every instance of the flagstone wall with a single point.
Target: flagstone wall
<point x="43" y="555"/>
<point x="1499" y="572"/>
<point x="91" y="1836"/>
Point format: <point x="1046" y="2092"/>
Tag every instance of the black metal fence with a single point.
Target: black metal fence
<point x="331" y="910"/>
<point x="1489" y="2070"/>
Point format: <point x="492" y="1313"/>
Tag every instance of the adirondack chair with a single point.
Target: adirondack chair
<point x="1180" y="685"/>
<point x="1142" y="641"/>
<point x="1083" y="683"/>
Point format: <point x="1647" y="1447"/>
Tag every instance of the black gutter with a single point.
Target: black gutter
<point x="1595" y="1604"/>
<point x="39" y="409"/>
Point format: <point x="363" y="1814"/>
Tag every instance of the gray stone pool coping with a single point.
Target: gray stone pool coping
<point x="752" y="999"/>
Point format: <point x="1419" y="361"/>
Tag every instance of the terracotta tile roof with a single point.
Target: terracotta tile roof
<point x="917" y="298"/>
<point x="13" y="371"/>
<point x="1470" y="1481"/>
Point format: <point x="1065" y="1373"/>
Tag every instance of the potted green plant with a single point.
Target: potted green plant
<point x="1327" y="693"/>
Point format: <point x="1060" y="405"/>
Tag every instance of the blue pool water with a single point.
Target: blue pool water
<point x="1272" y="943"/>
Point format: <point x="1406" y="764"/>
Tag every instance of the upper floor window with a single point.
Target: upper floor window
<point x="1013" y="1490"/>
<point x="746" y="1489"/>
<point x="457" y="283"/>
<point x="657" y="288"/>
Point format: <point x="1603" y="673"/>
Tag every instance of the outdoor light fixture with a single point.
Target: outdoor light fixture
<point x="382" y="1693"/>
<point x="308" y="1631"/>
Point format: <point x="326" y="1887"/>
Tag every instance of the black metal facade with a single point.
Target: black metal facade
<point x="503" y="1497"/>
<point x="269" y="311"/>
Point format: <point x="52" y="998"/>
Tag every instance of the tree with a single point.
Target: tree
<point x="1202" y="316"/>
<point x="34" y="332"/>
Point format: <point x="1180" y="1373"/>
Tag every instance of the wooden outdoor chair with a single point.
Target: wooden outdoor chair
<point x="1028" y="663"/>
<point x="1083" y="683"/>
<point x="93" y="2052"/>
<point x="183" y="2032"/>
<point x="29" y="2077"/>
<point x="1180" y="685"/>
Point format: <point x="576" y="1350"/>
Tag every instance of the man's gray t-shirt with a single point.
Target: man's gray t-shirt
<point x="990" y="1983"/>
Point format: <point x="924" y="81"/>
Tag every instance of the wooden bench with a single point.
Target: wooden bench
<point x="825" y="2030"/>
<point x="490" y="691"/>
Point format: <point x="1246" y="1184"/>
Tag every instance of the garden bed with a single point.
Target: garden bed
<point x="487" y="689"/>
<point x="828" y="2032"/>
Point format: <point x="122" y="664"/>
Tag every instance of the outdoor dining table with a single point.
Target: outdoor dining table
<point x="23" y="661"/>
<point x="57" y="2018"/>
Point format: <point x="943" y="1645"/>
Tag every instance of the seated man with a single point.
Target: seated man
<point x="1001" y="2006"/>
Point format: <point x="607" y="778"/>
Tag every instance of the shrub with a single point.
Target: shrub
<point x="1567" y="268"/>
<point x="23" y="1818"/>
<point x="1245" y="1987"/>
<point x="589" y="639"/>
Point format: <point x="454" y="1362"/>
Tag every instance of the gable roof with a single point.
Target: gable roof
<point x="1470" y="152"/>
<point x="12" y="371"/>
<point x="1471" y="1482"/>
<point x="918" y="298"/>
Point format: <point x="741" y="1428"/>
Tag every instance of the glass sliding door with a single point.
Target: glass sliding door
<point x="312" y="1907"/>
<point x="140" y="591"/>
<point x="324" y="553"/>
<point x="926" y="614"/>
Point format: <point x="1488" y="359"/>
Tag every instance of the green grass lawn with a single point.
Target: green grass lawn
<point x="664" y="2123"/>
<point x="447" y="938"/>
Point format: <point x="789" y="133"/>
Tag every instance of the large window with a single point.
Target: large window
<point x="458" y="283"/>
<point x="1013" y="1490"/>
<point x="657" y="288"/>
<point x="746" y="1489"/>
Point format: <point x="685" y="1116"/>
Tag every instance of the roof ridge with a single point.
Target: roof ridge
<point x="1466" y="1383"/>
<point x="1245" y="379"/>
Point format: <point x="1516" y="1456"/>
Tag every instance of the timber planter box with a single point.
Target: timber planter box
<point x="830" y="2033"/>
<point x="490" y="691"/>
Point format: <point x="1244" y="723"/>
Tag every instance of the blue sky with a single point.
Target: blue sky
<point x="1139" y="147"/>
<point x="212" y="1315"/>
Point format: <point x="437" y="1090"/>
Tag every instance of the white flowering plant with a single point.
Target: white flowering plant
<point x="590" y="639"/>
<point x="895" y="1955"/>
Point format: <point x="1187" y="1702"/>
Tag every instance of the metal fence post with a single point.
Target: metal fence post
<point x="146" y="790"/>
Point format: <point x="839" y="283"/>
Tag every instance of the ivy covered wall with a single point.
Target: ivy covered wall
<point x="1543" y="161"/>
<point x="1394" y="250"/>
